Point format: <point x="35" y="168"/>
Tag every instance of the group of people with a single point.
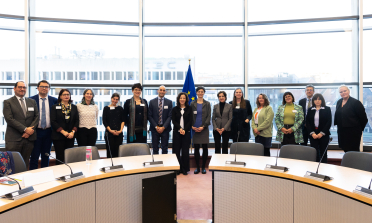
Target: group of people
<point x="34" y="123"/>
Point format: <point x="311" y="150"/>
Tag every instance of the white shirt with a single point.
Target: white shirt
<point x="47" y="112"/>
<point x="88" y="115"/>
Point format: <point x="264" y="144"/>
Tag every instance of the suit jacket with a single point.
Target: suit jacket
<point x="16" y="120"/>
<point x="296" y="128"/>
<point x="353" y="114"/>
<point x="187" y="118"/>
<point x="58" y="121"/>
<point x="325" y="120"/>
<point x="238" y="122"/>
<point x="153" y="114"/>
<point x="223" y="121"/>
<point x="206" y="113"/>
<point x="51" y="100"/>
<point x="303" y="103"/>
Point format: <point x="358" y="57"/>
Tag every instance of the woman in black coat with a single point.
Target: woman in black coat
<point x="351" y="119"/>
<point x="242" y="114"/>
<point x="182" y="120"/>
<point x="64" y="118"/>
<point x="318" y="123"/>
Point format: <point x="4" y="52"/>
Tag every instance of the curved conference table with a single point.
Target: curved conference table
<point x="99" y="197"/>
<point x="252" y="194"/>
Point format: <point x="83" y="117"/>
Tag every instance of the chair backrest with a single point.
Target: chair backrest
<point x="357" y="160"/>
<point x="247" y="148"/>
<point x="78" y="154"/>
<point x="134" y="149"/>
<point x="298" y="152"/>
<point x="19" y="163"/>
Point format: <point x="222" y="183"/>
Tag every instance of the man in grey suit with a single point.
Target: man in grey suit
<point x="22" y="116"/>
<point x="160" y="116"/>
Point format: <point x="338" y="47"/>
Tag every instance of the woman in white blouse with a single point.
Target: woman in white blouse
<point x="88" y="115"/>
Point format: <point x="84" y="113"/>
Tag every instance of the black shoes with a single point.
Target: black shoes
<point x="204" y="171"/>
<point x="197" y="171"/>
<point x="184" y="172"/>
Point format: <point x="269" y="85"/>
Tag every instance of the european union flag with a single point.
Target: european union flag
<point x="189" y="86"/>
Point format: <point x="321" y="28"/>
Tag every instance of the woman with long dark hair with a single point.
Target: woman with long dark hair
<point x="242" y="114"/>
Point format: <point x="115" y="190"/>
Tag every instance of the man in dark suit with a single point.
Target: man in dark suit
<point x="160" y="115"/>
<point x="22" y="117"/>
<point x="43" y="143"/>
<point x="306" y="103"/>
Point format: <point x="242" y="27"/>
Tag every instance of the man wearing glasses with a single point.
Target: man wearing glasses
<point x="22" y="117"/>
<point x="43" y="143"/>
<point x="306" y="103"/>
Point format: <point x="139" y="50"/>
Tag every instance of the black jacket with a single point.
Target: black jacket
<point x="325" y="120"/>
<point x="353" y="114"/>
<point x="58" y="121"/>
<point x="238" y="122"/>
<point x="187" y="118"/>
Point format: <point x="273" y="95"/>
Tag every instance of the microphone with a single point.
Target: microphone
<point x="316" y="176"/>
<point x="364" y="191"/>
<point x="70" y="177"/>
<point x="111" y="168"/>
<point x="276" y="167"/>
<point x="153" y="163"/>
<point x="15" y="195"/>
<point x="236" y="163"/>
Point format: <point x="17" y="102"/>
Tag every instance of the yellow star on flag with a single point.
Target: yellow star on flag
<point x="193" y="98"/>
<point x="189" y="93"/>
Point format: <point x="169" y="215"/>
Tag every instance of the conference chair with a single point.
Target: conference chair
<point x="19" y="163"/>
<point x="298" y="152"/>
<point x="77" y="154"/>
<point x="247" y="148"/>
<point x="357" y="160"/>
<point x="134" y="149"/>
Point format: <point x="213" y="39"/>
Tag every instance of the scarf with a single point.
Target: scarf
<point x="7" y="165"/>
<point x="132" y="119"/>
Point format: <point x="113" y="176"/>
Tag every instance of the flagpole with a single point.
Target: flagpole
<point x="189" y="61"/>
<point x="191" y="130"/>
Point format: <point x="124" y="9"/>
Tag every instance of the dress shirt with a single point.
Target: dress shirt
<point x="182" y="124"/>
<point x="316" y="119"/>
<point x="162" y="101"/>
<point x="47" y="112"/>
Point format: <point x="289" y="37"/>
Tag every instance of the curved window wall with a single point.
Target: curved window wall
<point x="108" y="46"/>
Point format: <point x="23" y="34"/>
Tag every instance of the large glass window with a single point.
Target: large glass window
<point x="5" y="93"/>
<point x="367" y="50"/>
<point x="319" y="52"/>
<point x="215" y="53"/>
<point x="13" y="7"/>
<point x="63" y="53"/>
<point x="367" y="101"/>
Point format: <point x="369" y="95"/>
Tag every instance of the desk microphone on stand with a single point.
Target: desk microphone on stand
<point x="316" y="176"/>
<point x="112" y="168"/>
<point x="15" y="195"/>
<point x="236" y="163"/>
<point x="70" y="177"/>
<point x="367" y="192"/>
<point x="276" y="167"/>
<point x="152" y="163"/>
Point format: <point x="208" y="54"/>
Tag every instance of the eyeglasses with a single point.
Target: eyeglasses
<point x="20" y="87"/>
<point x="44" y="87"/>
<point x="64" y="95"/>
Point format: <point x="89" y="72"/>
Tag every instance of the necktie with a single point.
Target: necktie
<point x="160" y="111"/>
<point x="43" y="115"/>
<point x="181" y="121"/>
<point x="308" y="104"/>
<point x="23" y="106"/>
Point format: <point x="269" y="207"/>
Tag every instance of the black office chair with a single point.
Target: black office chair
<point x="19" y="163"/>
<point x="357" y="160"/>
<point x="247" y="148"/>
<point x="78" y="154"/>
<point x="298" y="152"/>
<point x="134" y="149"/>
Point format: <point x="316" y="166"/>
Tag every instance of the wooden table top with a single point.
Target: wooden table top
<point x="132" y="165"/>
<point x="344" y="182"/>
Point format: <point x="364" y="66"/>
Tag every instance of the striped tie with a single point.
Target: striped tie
<point x="23" y="106"/>
<point x="43" y="115"/>
<point x="160" y="111"/>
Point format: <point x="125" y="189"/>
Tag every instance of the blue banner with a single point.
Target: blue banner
<point x="189" y="86"/>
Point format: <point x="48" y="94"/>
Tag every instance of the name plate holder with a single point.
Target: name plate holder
<point x="15" y="195"/>
<point x="280" y="169"/>
<point x="71" y="177"/>
<point x="153" y="164"/>
<point x="363" y="191"/>
<point x="235" y="163"/>
<point x="110" y="169"/>
<point x="318" y="177"/>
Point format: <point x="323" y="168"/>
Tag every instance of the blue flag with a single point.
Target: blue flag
<point x="189" y="86"/>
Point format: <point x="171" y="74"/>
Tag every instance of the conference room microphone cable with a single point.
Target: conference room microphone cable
<point x="276" y="168"/>
<point x="19" y="193"/>
<point x="316" y="175"/>
<point x="111" y="168"/>
<point x="236" y="163"/>
<point x="152" y="163"/>
<point x="70" y="177"/>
